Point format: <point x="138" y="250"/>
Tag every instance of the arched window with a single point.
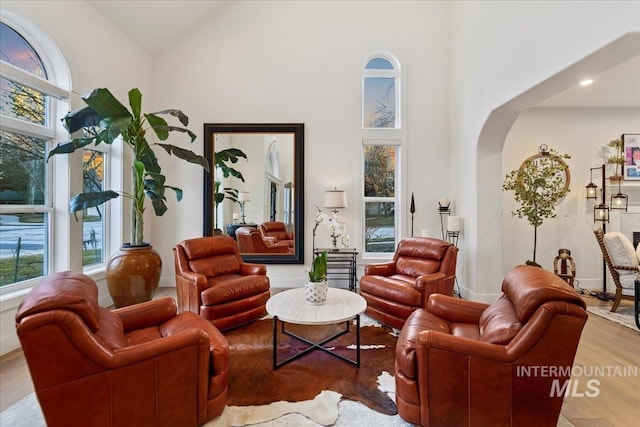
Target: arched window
<point x="380" y="93"/>
<point x="30" y="93"/>
<point x="382" y="137"/>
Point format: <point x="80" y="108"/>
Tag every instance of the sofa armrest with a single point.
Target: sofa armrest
<point x="428" y="340"/>
<point x="249" y="269"/>
<point x="146" y="314"/>
<point x="454" y="309"/>
<point x="195" y="337"/>
<point x="380" y="269"/>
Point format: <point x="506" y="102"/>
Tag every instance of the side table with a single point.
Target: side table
<point x="341" y="264"/>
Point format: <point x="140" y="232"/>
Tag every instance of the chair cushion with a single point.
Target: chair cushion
<point x="529" y="287"/>
<point x="233" y="287"/>
<point x="392" y="288"/>
<point x="498" y="323"/>
<point x="67" y="290"/>
<point x="621" y="252"/>
<point x="216" y="265"/>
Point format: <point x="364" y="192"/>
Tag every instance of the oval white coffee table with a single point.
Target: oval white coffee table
<point x="289" y="307"/>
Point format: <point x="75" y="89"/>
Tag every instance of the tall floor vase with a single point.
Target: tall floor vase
<point x="133" y="275"/>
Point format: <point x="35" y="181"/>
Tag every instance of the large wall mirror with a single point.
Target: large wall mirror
<point x="265" y="213"/>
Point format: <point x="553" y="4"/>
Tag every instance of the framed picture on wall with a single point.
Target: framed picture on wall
<point x="631" y="144"/>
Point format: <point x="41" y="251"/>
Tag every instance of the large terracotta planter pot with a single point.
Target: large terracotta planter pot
<point x="133" y="274"/>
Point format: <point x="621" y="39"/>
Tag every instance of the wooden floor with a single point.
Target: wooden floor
<point x="603" y="344"/>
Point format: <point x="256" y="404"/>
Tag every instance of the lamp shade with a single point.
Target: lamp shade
<point x="335" y="199"/>
<point x="244" y="196"/>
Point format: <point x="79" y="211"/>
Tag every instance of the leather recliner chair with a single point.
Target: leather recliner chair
<point x="420" y="267"/>
<point x="277" y="231"/>
<point x="251" y="241"/>
<point x="141" y="365"/>
<point x="465" y="363"/>
<point x="213" y="280"/>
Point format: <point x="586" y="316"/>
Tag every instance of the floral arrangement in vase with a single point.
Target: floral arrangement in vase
<point x="338" y="230"/>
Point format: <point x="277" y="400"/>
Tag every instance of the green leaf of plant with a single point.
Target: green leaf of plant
<point x="185" y="154"/>
<point x="70" y="146"/>
<point x="159" y="126"/>
<point x="135" y="102"/>
<point x="176" y="113"/>
<point x="88" y="200"/>
<point x="78" y="119"/>
<point x="168" y="128"/>
<point x="103" y="102"/>
<point x="177" y="190"/>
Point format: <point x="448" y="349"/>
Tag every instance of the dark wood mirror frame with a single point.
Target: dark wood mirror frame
<point x="297" y="129"/>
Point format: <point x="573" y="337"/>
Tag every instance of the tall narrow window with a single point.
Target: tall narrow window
<point x="380" y="171"/>
<point x="93" y="169"/>
<point x="26" y="132"/>
<point x="382" y="137"/>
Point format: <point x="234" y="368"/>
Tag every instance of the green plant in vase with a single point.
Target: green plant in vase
<point x="316" y="289"/>
<point x="106" y="120"/>
<point x="318" y="272"/>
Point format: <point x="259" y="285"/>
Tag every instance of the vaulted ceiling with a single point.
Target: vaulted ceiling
<point x="155" y="25"/>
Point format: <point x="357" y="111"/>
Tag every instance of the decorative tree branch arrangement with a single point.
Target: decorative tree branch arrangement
<point x="538" y="185"/>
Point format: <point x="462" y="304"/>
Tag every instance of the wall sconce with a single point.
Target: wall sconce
<point x="335" y="199"/>
<point x="243" y="197"/>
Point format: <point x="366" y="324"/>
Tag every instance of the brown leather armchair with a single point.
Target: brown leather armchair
<point x="278" y="231"/>
<point x="465" y="363"/>
<point x="213" y="280"/>
<point x="421" y="266"/>
<point x="140" y="365"/>
<point x="251" y="241"/>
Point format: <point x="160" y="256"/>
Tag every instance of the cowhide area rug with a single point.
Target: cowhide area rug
<point x="314" y="384"/>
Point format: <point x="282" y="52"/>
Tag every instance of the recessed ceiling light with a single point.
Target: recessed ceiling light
<point x="586" y="82"/>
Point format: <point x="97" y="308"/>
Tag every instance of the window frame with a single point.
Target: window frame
<point x="385" y="136"/>
<point x="56" y="88"/>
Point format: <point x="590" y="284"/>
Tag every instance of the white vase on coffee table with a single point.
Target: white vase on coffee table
<point x="315" y="293"/>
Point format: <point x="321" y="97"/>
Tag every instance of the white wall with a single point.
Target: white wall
<point x="500" y="51"/>
<point x="581" y="133"/>
<point x="284" y="62"/>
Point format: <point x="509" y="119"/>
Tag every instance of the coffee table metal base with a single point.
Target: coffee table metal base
<point x="314" y="345"/>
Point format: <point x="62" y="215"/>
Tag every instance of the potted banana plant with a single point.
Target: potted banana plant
<point x="104" y="120"/>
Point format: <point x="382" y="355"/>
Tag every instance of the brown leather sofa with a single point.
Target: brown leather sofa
<point x="421" y="266"/>
<point x="465" y="363"/>
<point x="213" y="280"/>
<point x="251" y="241"/>
<point x="277" y="231"/>
<point x="140" y="365"/>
